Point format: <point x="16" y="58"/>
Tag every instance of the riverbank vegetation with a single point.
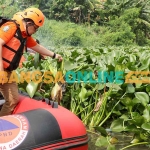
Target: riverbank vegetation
<point x="97" y="36"/>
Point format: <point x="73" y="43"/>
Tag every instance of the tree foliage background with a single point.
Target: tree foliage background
<point x="125" y="21"/>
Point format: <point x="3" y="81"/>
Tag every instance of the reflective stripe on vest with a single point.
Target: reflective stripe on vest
<point x="13" y="51"/>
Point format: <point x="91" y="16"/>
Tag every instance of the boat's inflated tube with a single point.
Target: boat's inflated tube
<point x="42" y="129"/>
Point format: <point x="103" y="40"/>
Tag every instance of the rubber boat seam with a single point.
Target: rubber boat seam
<point x="61" y="141"/>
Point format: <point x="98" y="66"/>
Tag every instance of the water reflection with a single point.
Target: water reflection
<point x="123" y="140"/>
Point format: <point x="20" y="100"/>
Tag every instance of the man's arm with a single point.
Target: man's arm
<point x="42" y="50"/>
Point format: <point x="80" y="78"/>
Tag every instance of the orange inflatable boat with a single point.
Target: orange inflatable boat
<point x="39" y="125"/>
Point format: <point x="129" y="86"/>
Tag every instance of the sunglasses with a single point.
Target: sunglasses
<point x="35" y="26"/>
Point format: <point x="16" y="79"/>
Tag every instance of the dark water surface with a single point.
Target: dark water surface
<point x="123" y="140"/>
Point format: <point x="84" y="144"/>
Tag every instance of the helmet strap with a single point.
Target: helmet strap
<point x="27" y="30"/>
<point x="28" y="25"/>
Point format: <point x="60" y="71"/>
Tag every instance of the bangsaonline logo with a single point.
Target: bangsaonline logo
<point x="37" y="76"/>
<point x="96" y="77"/>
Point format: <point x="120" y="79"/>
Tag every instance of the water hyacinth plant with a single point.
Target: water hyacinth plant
<point x="120" y="107"/>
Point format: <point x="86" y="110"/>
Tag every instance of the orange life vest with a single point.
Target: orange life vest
<point x="13" y="51"/>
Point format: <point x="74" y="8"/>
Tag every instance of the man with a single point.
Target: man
<point x="13" y="39"/>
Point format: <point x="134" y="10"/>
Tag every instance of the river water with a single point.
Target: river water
<point x="123" y="140"/>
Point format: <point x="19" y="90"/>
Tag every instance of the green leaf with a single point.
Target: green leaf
<point x="60" y="66"/>
<point x="130" y="88"/>
<point x="138" y="120"/>
<point x="111" y="147"/>
<point x="125" y="117"/>
<point x="22" y="89"/>
<point x="101" y="142"/>
<point x="82" y="94"/>
<point x="132" y="128"/>
<point x="47" y="95"/>
<point x="89" y="93"/>
<point x="127" y="101"/>
<point x="69" y="66"/>
<point x="138" y="85"/>
<point x="117" y="125"/>
<point x="135" y="115"/>
<point x="38" y="94"/>
<point x="31" y="88"/>
<point x="132" y="58"/>
<point x="146" y="113"/>
<point x="101" y="130"/>
<point x="146" y="126"/>
<point x="100" y="86"/>
<point x="36" y="59"/>
<point x="135" y="140"/>
<point x="148" y="89"/>
<point x="136" y="101"/>
<point x="143" y="97"/>
<point x="144" y="136"/>
<point x="119" y="67"/>
<point x="143" y="67"/>
<point x="114" y="86"/>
